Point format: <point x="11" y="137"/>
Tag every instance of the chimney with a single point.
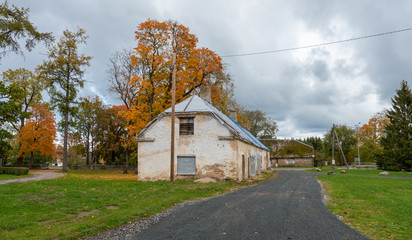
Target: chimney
<point x="233" y="114"/>
<point x="205" y="93"/>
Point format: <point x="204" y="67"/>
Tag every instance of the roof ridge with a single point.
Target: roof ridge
<point x="184" y="110"/>
<point x="197" y="105"/>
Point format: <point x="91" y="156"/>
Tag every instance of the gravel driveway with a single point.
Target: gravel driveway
<point x="287" y="207"/>
<point x="37" y="176"/>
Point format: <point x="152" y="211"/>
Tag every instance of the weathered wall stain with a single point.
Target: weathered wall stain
<point x="214" y="158"/>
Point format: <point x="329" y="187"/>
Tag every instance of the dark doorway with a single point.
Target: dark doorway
<point x="243" y="167"/>
<point x="248" y="167"/>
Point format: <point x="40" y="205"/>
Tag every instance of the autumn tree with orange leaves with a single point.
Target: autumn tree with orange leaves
<point x="38" y="133"/>
<point x="120" y="73"/>
<point x="30" y="87"/>
<point x="373" y="131"/>
<point x="370" y="135"/>
<point x="152" y="59"/>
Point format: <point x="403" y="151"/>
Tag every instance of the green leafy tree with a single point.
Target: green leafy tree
<point x="318" y="146"/>
<point x="9" y="96"/>
<point x="315" y="142"/>
<point x="348" y="142"/>
<point x="397" y="142"/>
<point x="64" y="71"/>
<point x="111" y="135"/>
<point x="14" y="25"/>
<point x="260" y="125"/>
<point x="30" y="87"/>
<point x="4" y="143"/>
<point x="86" y="122"/>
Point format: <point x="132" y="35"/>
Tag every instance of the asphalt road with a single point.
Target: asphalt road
<point x="287" y="207"/>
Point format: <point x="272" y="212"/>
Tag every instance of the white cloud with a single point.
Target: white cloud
<point x="305" y="91"/>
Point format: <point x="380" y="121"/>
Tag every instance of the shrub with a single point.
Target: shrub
<point x="14" y="170"/>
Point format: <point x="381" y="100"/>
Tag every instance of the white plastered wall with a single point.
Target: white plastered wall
<point x="249" y="150"/>
<point x="214" y="157"/>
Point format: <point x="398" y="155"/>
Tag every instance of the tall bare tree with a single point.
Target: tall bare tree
<point x="120" y="74"/>
<point x="64" y="71"/>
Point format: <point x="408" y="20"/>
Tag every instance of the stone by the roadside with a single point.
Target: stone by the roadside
<point x="383" y="174"/>
<point x="205" y="180"/>
<point x="331" y="173"/>
<point x="342" y="171"/>
<point x="403" y="170"/>
<point x="318" y="169"/>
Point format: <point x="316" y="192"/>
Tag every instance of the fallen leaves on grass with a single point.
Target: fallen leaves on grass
<point x="103" y="175"/>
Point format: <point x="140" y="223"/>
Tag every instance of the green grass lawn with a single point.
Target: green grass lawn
<point x="365" y="172"/>
<point x="381" y="208"/>
<point x="289" y="167"/>
<point x="87" y="202"/>
<point x="11" y="176"/>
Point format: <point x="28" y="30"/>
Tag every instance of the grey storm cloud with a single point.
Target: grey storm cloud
<point x="305" y="91"/>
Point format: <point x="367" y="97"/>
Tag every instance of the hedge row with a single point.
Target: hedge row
<point x="14" y="170"/>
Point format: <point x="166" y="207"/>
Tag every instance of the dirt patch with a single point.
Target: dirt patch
<point x="45" y="221"/>
<point x="325" y="197"/>
<point x="120" y="176"/>
<point x="112" y="207"/>
<point x="206" y="180"/>
<point x="83" y="214"/>
<point x="30" y="197"/>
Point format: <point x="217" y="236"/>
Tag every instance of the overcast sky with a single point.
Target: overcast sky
<point x="305" y="91"/>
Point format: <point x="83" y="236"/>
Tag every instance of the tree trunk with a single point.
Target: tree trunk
<point x="127" y="159"/>
<point x="20" y="159"/>
<point x="66" y="120"/>
<point x="31" y="159"/>
<point x="150" y="109"/>
<point x="93" y="153"/>
<point x="87" y="151"/>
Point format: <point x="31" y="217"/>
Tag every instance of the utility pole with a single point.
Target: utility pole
<point x="358" y="142"/>
<point x="172" y="142"/>
<point x="333" y="146"/>
<point x="341" y="150"/>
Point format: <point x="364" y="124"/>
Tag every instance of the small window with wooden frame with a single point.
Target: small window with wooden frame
<point x="187" y="126"/>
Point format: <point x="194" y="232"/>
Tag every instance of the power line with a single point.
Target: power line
<point x="316" y="45"/>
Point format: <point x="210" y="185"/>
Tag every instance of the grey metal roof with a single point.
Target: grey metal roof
<point x="195" y="104"/>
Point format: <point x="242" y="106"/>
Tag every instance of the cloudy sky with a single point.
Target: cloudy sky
<point x="305" y="91"/>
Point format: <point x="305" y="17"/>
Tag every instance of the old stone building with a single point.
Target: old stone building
<point x="207" y="144"/>
<point x="290" y="153"/>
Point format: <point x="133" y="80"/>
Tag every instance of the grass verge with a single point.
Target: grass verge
<point x="371" y="172"/>
<point x="381" y="208"/>
<point x="10" y="176"/>
<point x="87" y="202"/>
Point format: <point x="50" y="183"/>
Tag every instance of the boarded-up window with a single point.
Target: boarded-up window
<point x="290" y="162"/>
<point x="259" y="164"/>
<point x="186" y="126"/>
<point x="252" y="166"/>
<point x="186" y="165"/>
